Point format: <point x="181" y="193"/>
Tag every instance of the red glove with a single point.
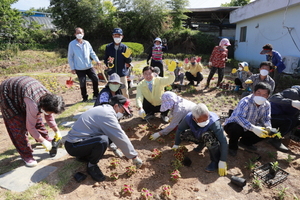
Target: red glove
<point x="198" y="59"/>
<point x="186" y="61"/>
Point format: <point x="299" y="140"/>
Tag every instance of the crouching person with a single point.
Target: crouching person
<point x="205" y="130"/>
<point x="89" y="137"/>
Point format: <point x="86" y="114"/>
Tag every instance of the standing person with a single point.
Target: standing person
<point x="245" y="126"/>
<point x="205" y="128"/>
<point x="285" y="108"/>
<point x="179" y="72"/>
<point x="23" y="100"/>
<point x="117" y="58"/>
<point x="241" y="75"/>
<point x="193" y="73"/>
<point x="149" y="92"/>
<point x="178" y="108"/>
<point x="217" y="61"/>
<point x="89" y="137"/>
<point x="156" y="55"/>
<point x="80" y="53"/>
<point x="276" y="59"/>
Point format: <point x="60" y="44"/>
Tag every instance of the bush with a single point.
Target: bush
<point x="137" y="49"/>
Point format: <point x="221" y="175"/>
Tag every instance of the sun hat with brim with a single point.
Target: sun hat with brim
<point x="168" y="99"/>
<point x="115" y="78"/>
<point x="265" y="51"/>
<point x="122" y="101"/>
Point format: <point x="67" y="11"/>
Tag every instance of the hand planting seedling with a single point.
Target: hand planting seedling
<point x="145" y="194"/>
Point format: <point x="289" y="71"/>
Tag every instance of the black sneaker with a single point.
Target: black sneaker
<point x="85" y="99"/>
<point x="96" y="173"/>
<point x="248" y="147"/>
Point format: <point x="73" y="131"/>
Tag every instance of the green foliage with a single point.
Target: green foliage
<point x="289" y="158"/>
<point x="282" y="193"/>
<point x="256" y="183"/>
<point x="236" y="3"/>
<point x="9" y="51"/>
<point x="274" y="165"/>
<point x="137" y="49"/>
<point x="250" y="165"/>
<point x="177" y="10"/>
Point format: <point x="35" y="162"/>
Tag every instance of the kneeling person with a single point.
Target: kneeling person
<point x="89" y="137"/>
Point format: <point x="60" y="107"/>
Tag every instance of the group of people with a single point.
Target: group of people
<point x="24" y="100"/>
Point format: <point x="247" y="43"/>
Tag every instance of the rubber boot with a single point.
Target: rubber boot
<point x="215" y="154"/>
<point x="237" y="88"/>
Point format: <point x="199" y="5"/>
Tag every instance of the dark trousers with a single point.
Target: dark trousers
<point x="285" y="123"/>
<point x="192" y="78"/>
<point x="150" y="109"/>
<point x="235" y="132"/>
<point x="158" y="64"/>
<point x="81" y="74"/>
<point x="212" y="72"/>
<point x="92" y="149"/>
<point x="238" y="82"/>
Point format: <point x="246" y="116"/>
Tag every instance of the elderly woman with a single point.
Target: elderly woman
<point x="205" y="128"/>
<point x="23" y="100"/>
<point x="178" y="108"/>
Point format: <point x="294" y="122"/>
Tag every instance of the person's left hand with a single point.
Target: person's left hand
<point x="57" y="136"/>
<point x="222" y="168"/>
<point x="137" y="162"/>
<point x="154" y="136"/>
<point x="47" y="145"/>
<point x="127" y="53"/>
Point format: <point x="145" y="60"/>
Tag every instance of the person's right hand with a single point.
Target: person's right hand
<point x="175" y="147"/>
<point x="142" y="113"/>
<point x="137" y="162"/>
<point x="186" y="61"/>
<point x="248" y="81"/>
<point x="296" y="104"/>
<point x="233" y="71"/>
<point x="47" y="145"/>
<point x="154" y="136"/>
<point x="260" y="131"/>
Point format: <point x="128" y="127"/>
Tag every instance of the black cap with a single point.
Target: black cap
<point x="122" y="101"/>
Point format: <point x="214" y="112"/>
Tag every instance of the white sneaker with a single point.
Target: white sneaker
<point x="30" y="162"/>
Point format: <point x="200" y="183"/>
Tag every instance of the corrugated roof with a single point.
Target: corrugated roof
<point x="45" y="21"/>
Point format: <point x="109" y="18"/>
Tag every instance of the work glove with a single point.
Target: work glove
<point x="198" y="59"/>
<point x="260" y="132"/>
<point x="154" y="136"/>
<point x="47" y="145"/>
<point x="137" y="162"/>
<point x="186" y="61"/>
<point x="118" y="153"/>
<point x="175" y="147"/>
<point x="296" y="104"/>
<point x="57" y="136"/>
<point x="233" y="71"/>
<point x="142" y="113"/>
<point x="127" y="53"/>
<point x="222" y="168"/>
<point x="180" y="64"/>
<point x="209" y="64"/>
<point x="172" y="66"/>
<point x="248" y="81"/>
<point x="246" y="68"/>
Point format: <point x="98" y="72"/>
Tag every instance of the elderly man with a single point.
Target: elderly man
<point x="89" y="137"/>
<point x="205" y="128"/>
<point x="248" y="120"/>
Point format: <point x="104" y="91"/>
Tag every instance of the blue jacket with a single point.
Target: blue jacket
<point x="276" y="60"/>
<point x="119" y="59"/>
<point x="81" y="59"/>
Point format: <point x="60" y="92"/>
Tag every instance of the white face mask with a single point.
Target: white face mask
<point x="240" y="69"/>
<point x="79" y="36"/>
<point x="118" y="40"/>
<point x="264" y="72"/>
<point x="44" y="112"/>
<point x="119" y="115"/>
<point x="203" y="124"/>
<point x="259" y="100"/>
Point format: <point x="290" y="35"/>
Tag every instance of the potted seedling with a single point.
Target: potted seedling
<point x="274" y="169"/>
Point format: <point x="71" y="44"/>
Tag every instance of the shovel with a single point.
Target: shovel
<point x="69" y="83"/>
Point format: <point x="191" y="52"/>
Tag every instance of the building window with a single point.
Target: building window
<point x="243" y="34"/>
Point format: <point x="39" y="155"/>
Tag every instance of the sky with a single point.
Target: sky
<point x="27" y="4"/>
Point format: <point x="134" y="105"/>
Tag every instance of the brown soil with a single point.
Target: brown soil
<point x="194" y="183"/>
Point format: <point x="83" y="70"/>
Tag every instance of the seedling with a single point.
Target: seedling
<point x="289" y="159"/>
<point x="114" y="163"/>
<point x="256" y="183"/>
<point x="250" y="165"/>
<point x="166" y="191"/>
<point x="160" y="140"/>
<point x="126" y="190"/>
<point x="156" y="153"/>
<point x="282" y="193"/>
<point x="272" y="155"/>
<point x="145" y="194"/>
<point x="175" y="175"/>
<point x="114" y="176"/>
<point x="130" y="170"/>
<point x="275" y="165"/>
<point x="176" y="164"/>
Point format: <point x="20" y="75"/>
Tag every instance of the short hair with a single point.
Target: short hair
<point x="199" y="110"/>
<point x="268" y="46"/>
<point x="267" y="63"/>
<point x="52" y="103"/>
<point x="148" y="68"/>
<point x="79" y="28"/>
<point x="263" y="86"/>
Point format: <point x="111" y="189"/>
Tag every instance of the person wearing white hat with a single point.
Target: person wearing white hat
<point x="241" y="75"/>
<point x="156" y="55"/>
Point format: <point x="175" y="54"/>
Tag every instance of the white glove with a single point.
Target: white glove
<point x="154" y="136"/>
<point x="57" y="136"/>
<point x="222" y="168"/>
<point x="137" y="162"/>
<point x="259" y="131"/>
<point x="142" y="113"/>
<point x="174" y="147"/>
<point x="47" y="145"/>
<point x="296" y="104"/>
<point x="118" y="153"/>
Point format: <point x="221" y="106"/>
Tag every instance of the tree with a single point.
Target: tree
<point x="236" y="3"/>
<point x="177" y="10"/>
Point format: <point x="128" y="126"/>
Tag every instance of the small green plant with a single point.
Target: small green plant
<point x="289" y="159"/>
<point x="282" y="193"/>
<point x="166" y="191"/>
<point x="256" y="183"/>
<point x="114" y="176"/>
<point x="114" y="163"/>
<point x="275" y="166"/>
<point x="175" y="175"/>
<point x="156" y="153"/>
<point x="126" y="190"/>
<point x="145" y="194"/>
<point x="250" y="165"/>
<point x="272" y="155"/>
<point x="176" y="164"/>
<point x="130" y="170"/>
<point x="295" y="197"/>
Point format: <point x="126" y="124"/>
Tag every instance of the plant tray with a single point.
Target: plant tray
<point x="263" y="173"/>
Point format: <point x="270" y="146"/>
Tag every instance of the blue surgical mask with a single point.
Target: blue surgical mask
<point x="149" y="82"/>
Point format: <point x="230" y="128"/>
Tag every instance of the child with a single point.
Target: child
<point x="179" y="72"/>
<point x="242" y="74"/>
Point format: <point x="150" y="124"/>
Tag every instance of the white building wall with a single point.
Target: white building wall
<point x="271" y="27"/>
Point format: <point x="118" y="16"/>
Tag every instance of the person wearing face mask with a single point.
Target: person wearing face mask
<point x="205" y="130"/>
<point x="263" y="76"/>
<point x="217" y="61"/>
<point x="149" y="92"/>
<point x="23" y="102"/>
<point x="89" y="137"/>
<point x="193" y="72"/>
<point x="285" y="106"/>
<point x="80" y="53"/>
<point x="116" y="51"/>
<point x="245" y="126"/>
<point x="112" y="88"/>
<point x="241" y="75"/>
<point x="156" y="55"/>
